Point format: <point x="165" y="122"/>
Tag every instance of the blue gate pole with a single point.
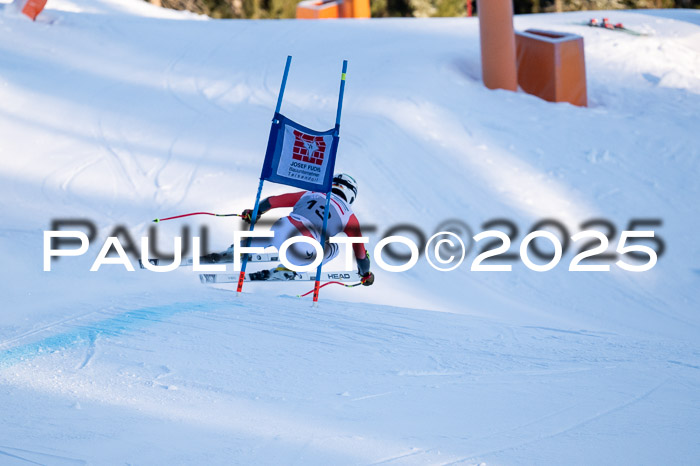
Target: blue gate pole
<point x="284" y="83"/>
<point x="241" y="276"/>
<point x="340" y="96"/>
<point x="326" y="212"/>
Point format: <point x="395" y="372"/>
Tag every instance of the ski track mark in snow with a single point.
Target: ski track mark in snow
<point x="366" y="397"/>
<point x="583" y="333"/>
<point x="201" y="90"/>
<point x="59" y="181"/>
<point x="8" y="342"/>
<point x="46" y="458"/>
<point x="399" y="457"/>
<point x="683" y="364"/>
<point x="92" y="339"/>
<point x="18" y="457"/>
<point x="614" y="409"/>
<point x="167" y="81"/>
<point x="189" y="127"/>
<point x="115" y="156"/>
<point x="66" y="185"/>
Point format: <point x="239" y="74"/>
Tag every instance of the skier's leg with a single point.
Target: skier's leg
<point x="331" y="252"/>
<point x="281" y="230"/>
<point x="298" y="254"/>
<point x="305" y="253"/>
<point x="301" y="253"/>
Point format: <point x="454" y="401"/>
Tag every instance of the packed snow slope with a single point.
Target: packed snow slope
<point x="120" y="112"/>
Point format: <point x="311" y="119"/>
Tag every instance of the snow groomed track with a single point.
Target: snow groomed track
<point x="117" y="112"/>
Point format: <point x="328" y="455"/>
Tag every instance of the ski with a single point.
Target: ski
<point x="296" y="277"/>
<point x="606" y="24"/>
<point x="216" y="258"/>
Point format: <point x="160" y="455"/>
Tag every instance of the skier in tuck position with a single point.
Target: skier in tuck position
<point x="307" y="219"/>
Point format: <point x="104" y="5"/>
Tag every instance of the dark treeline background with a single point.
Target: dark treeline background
<point x="255" y="9"/>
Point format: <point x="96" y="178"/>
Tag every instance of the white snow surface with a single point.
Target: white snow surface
<point x="120" y="112"/>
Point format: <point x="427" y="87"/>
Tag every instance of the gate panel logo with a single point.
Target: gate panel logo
<point x="308" y="148"/>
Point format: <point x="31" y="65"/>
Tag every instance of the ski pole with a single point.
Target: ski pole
<point x="330" y="283"/>
<point x="195" y="213"/>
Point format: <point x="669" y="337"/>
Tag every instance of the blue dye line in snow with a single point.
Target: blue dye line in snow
<point x="115" y="326"/>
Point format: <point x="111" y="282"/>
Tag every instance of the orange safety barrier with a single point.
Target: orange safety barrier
<point x="551" y="65"/>
<point x="497" y="44"/>
<point x="313" y="9"/>
<point x="318" y="9"/>
<point x="355" y="9"/>
<point x="33" y="7"/>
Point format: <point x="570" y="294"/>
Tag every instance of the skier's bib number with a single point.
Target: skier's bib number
<point x="319" y="210"/>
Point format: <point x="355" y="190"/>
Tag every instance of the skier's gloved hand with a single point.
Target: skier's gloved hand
<point x="247" y="215"/>
<point x="363" y="265"/>
<point x="363" y="269"/>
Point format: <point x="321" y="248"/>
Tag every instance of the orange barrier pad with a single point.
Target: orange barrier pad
<point x="315" y="9"/>
<point x="551" y="65"/>
<point x="312" y="9"/>
<point x="33" y="7"/>
<point x="355" y="9"/>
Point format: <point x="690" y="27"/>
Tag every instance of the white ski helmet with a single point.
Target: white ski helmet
<point x="345" y="186"/>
